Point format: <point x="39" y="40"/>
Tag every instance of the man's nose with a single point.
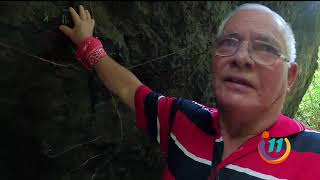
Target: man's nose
<point x="242" y="56"/>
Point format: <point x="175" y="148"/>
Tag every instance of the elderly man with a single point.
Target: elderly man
<point x="246" y="136"/>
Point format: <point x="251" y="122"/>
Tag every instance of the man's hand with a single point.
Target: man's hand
<point x="115" y="77"/>
<point x="83" y="26"/>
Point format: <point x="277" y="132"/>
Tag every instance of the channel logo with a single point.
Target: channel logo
<point x="275" y="147"/>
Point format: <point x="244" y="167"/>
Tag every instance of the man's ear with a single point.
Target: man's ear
<point x="293" y="72"/>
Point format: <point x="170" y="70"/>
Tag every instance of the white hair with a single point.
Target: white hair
<point x="286" y="30"/>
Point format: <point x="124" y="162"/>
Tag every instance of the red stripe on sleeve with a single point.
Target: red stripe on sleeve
<point x="167" y="174"/>
<point x="164" y="110"/>
<point x="140" y="95"/>
<point x="192" y="138"/>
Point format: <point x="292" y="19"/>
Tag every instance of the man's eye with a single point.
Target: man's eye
<point x="265" y="48"/>
<point x="228" y="42"/>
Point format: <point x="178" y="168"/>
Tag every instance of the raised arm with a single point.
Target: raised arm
<point x="115" y="77"/>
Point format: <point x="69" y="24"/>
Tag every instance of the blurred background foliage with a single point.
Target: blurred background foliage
<point x="309" y="108"/>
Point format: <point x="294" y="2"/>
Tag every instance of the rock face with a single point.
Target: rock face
<point x="46" y="109"/>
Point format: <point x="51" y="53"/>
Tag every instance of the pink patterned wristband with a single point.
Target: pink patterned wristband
<point x="90" y="52"/>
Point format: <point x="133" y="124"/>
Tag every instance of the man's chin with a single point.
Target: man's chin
<point x="239" y="112"/>
<point x="237" y="103"/>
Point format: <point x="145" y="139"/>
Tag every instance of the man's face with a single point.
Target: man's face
<point x="240" y="81"/>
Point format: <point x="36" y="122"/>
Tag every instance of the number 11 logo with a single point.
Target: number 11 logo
<point x="279" y="144"/>
<point x="272" y="142"/>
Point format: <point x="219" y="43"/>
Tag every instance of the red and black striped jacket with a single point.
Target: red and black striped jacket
<point x="189" y="135"/>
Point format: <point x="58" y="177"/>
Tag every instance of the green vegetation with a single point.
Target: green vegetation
<point x="309" y="108"/>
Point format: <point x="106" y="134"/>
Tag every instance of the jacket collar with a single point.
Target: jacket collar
<point x="285" y="126"/>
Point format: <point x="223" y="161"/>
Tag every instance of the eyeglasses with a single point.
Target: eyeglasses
<point x="259" y="51"/>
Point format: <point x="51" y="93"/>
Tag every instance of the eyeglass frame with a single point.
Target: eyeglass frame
<point x="279" y="54"/>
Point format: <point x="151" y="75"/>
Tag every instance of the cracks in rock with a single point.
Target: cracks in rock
<point x="40" y="58"/>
